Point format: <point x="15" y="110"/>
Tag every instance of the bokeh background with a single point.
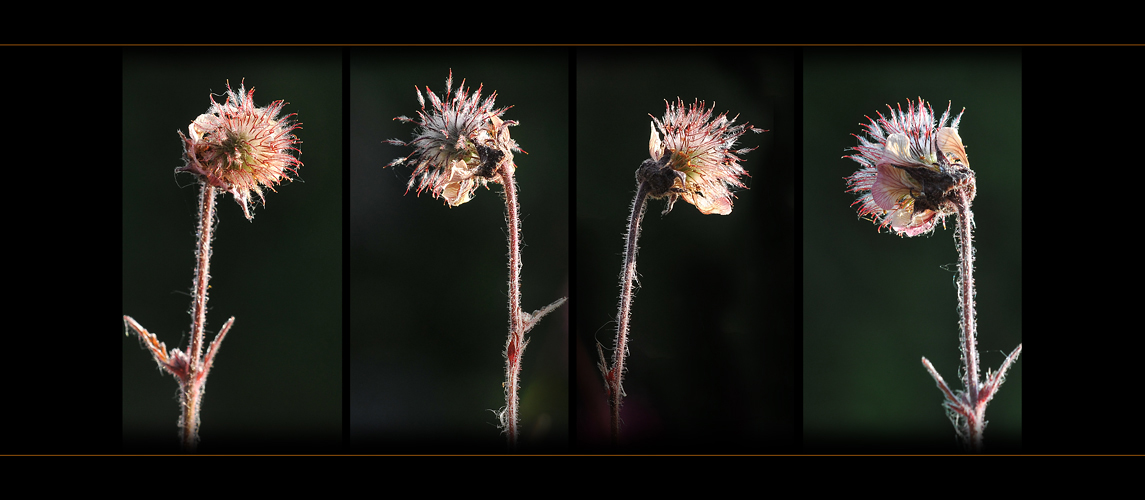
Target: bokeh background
<point x="875" y="304"/>
<point x="276" y="384"/>
<point x="429" y="314"/>
<point x="712" y="346"/>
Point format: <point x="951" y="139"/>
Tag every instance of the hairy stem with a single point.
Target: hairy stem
<point x="192" y="390"/>
<point x="967" y="409"/>
<point x="515" y="346"/>
<point x="614" y="376"/>
<point x="967" y="318"/>
<point x="189" y="367"/>
<point x="190" y="399"/>
<point x="202" y="267"/>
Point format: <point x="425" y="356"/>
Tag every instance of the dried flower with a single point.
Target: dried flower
<point x="240" y="148"/>
<point x="459" y="144"/>
<point x="694" y="158"/>
<point x="905" y="183"/>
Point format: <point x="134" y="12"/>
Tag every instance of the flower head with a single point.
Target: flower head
<point x="241" y="148"/>
<point x="692" y="158"/>
<point x="460" y="143"/>
<point x="910" y="169"/>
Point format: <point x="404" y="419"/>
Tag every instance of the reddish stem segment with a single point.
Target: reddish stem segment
<point x="968" y="409"/>
<point x="615" y="375"/>
<point x="968" y="322"/>
<point x="515" y="346"/>
<point x="192" y="392"/>
<point x="202" y="267"/>
<point x="189" y="367"/>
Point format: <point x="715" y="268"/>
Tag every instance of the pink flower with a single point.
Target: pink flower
<point x="692" y="158"/>
<point x="241" y="148"/>
<point x="459" y="144"/>
<point x="910" y="168"/>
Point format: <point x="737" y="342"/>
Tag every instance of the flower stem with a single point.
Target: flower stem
<point x="192" y="389"/>
<point x="515" y="346"/>
<point x="967" y="409"/>
<point x="189" y="367"/>
<point x="206" y="233"/>
<point x="968" y="318"/>
<point x="190" y="399"/>
<point x="614" y="376"/>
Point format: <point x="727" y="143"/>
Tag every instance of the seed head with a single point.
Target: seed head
<point x="460" y="143"/>
<point x="692" y="157"/>
<point x="241" y="148"/>
<point x="910" y="169"/>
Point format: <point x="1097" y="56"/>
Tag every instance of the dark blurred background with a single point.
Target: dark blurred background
<point x="875" y="304"/>
<point x="276" y="384"/>
<point x="428" y="283"/>
<point x="711" y="365"/>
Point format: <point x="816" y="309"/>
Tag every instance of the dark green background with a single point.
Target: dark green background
<point x="711" y="365"/>
<point x="428" y="283"/>
<point x="875" y="304"/>
<point x="277" y="381"/>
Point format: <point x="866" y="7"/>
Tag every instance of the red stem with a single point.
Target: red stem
<point x="968" y="322"/>
<point x="189" y="367"/>
<point x="515" y="346"/>
<point x="615" y="375"/>
<point x="192" y="388"/>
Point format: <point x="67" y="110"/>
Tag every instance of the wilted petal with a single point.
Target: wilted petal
<point x="893" y="187"/>
<point x="950" y="144"/>
<point x="654" y="149"/>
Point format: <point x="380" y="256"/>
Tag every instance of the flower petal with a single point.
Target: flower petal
<point x="893" y="187"/>
<point x="950" y="143"/>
